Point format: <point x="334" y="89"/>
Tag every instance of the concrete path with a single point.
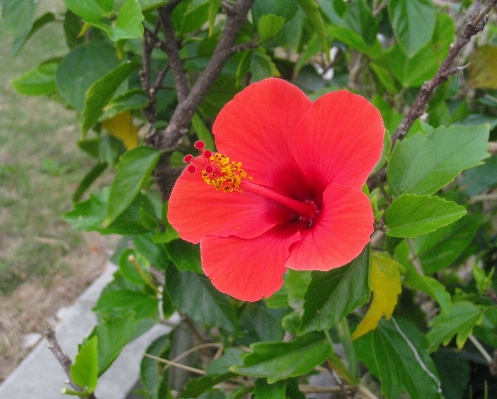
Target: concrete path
<point x="40" y="376"/>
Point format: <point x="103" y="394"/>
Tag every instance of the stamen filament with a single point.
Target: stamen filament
<point x="304" y="209"/>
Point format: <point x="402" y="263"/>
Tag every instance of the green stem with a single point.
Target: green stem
<point x="346" y="341"/>
<point x="67" y="391"/>
<point x="143" y="275"/>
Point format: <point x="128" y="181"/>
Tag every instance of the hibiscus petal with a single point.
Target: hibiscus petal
<point x="196" y="209"/>
<point x="248" y="269"/>
<point x="339" y="140"/>
<point x="341" y="231"/>
<point x="256" y="128"/>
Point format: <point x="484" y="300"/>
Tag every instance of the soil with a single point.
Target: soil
<point x="33" y="306"/>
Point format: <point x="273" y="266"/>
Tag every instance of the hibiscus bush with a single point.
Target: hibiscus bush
<point x="308" y="184"/>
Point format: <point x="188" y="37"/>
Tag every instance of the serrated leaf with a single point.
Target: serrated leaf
<point x="332" y="295"/>
<point x="195" y="295"/>
<point x="213" y="9"/>
<point x="413" y="72"/>
<point x="413" y="279"/>
<point x="132" y="172"/>
<point x="406" y="17"/>
<point x="423" y="164"/>
<point x="102" y="91"/>
<point x="386" y="286"/>
<point x="119" y="302"/>
<point x="459" y="320"/>
<point x="122" y="127"/>
<point x="414" y="215"/>
<point x="84" y="370"/>
<point x="269" y="25"/>
<point x="221" y="365"/>
<point x="38" y="81"/>
<point x="442" y="247"/>
<point x="395" y="352"/>
<point x="277" y="361"/>
<point x="477" y="180"/>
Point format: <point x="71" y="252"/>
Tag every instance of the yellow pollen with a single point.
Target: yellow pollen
<point x="226" y="176"/>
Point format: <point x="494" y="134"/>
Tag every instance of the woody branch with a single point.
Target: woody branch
<point x="476" y="22"/>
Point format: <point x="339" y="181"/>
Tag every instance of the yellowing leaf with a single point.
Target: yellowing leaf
<point x="482" y="68"/>
<point x="121" y="126"/>
<point x="386" y="287"/>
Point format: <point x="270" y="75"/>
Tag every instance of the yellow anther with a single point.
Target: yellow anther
<point x="226" y="176"/>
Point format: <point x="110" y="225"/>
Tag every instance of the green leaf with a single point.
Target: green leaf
<point x="269" y="25"/>
<point x="84" y="370"/>
<point x="423" y="164"/>
<point x="81" y="68"/>
<point x="284" y="8"/>
<point x="17" y="16"/>
<point x="439" y="249"/>
<point x="89" y="178"/>
<point x="133" y="170"/>
<point x="263" y="390"/>
<point x="413" y="72"/>
<point x="102" y="91"/>
<point x="195" y="295"/>
<point x="128" y="269"/>
<point x="460" y="319"/>
<point x="185" y="256"/>
<point x="113" y="334"/>
<point x="203" y="132"/>
<point x="221" y="365"/>
<point x="213" y="9"/>
<point x="259" y="323"/>
<point x="395" y="352"/>
<point x="152" y="376"/>
<point x="311" y="9"/>
<point x="332" y="295"/>
<point x="129" y="100"/>
<point x="407" y="16"/>
<point x="413" y="215"/>
<point x="128" y="24"/>
<point x="119" y="302"/>
<point x="360" y="19"/>
<point x="39" y="81"/>
<point x="90" y="9"/>
<point x="197" y="386"/>
<point x="37" y="25"/>
<point x="385" y="77"/>
<point x="453" y="367"/>
<point x="477" y="180"/>
<point x="277" y="361"/>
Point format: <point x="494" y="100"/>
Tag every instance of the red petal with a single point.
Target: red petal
<point x="256" y="128"/>
<point x="339" y="140"/>
<point x="342" y="230"/>
<point x="248" y="269"/>
<point x="196" y="209"/>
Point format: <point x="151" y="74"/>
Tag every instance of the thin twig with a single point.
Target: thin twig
<point x="191" y="350"/>
<point x="475" y="25"/>
<point x="480" y="348"/>
<point x="483" y="198"/>
<point x="64" y="360"/>
<point x="172" y="51"/>
<point x="177" y="365"/>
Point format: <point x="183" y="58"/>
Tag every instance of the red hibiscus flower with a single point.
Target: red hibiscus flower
<point x="284" y="190"/>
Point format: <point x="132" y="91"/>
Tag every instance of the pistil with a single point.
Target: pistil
<point x="306" y="210"/>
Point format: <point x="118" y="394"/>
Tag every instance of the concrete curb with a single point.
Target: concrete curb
<point x="40" y="376"/>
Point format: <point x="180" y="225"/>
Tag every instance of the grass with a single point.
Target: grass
<point x="44" y="263"/>
<point x="40" y="167"/>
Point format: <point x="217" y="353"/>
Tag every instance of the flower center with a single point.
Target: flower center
<point x="228" y="176"/>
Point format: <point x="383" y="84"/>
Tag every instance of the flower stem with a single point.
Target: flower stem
<point x="346" y="340"/>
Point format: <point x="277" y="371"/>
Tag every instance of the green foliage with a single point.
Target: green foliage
<point x="428" y="193"/>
